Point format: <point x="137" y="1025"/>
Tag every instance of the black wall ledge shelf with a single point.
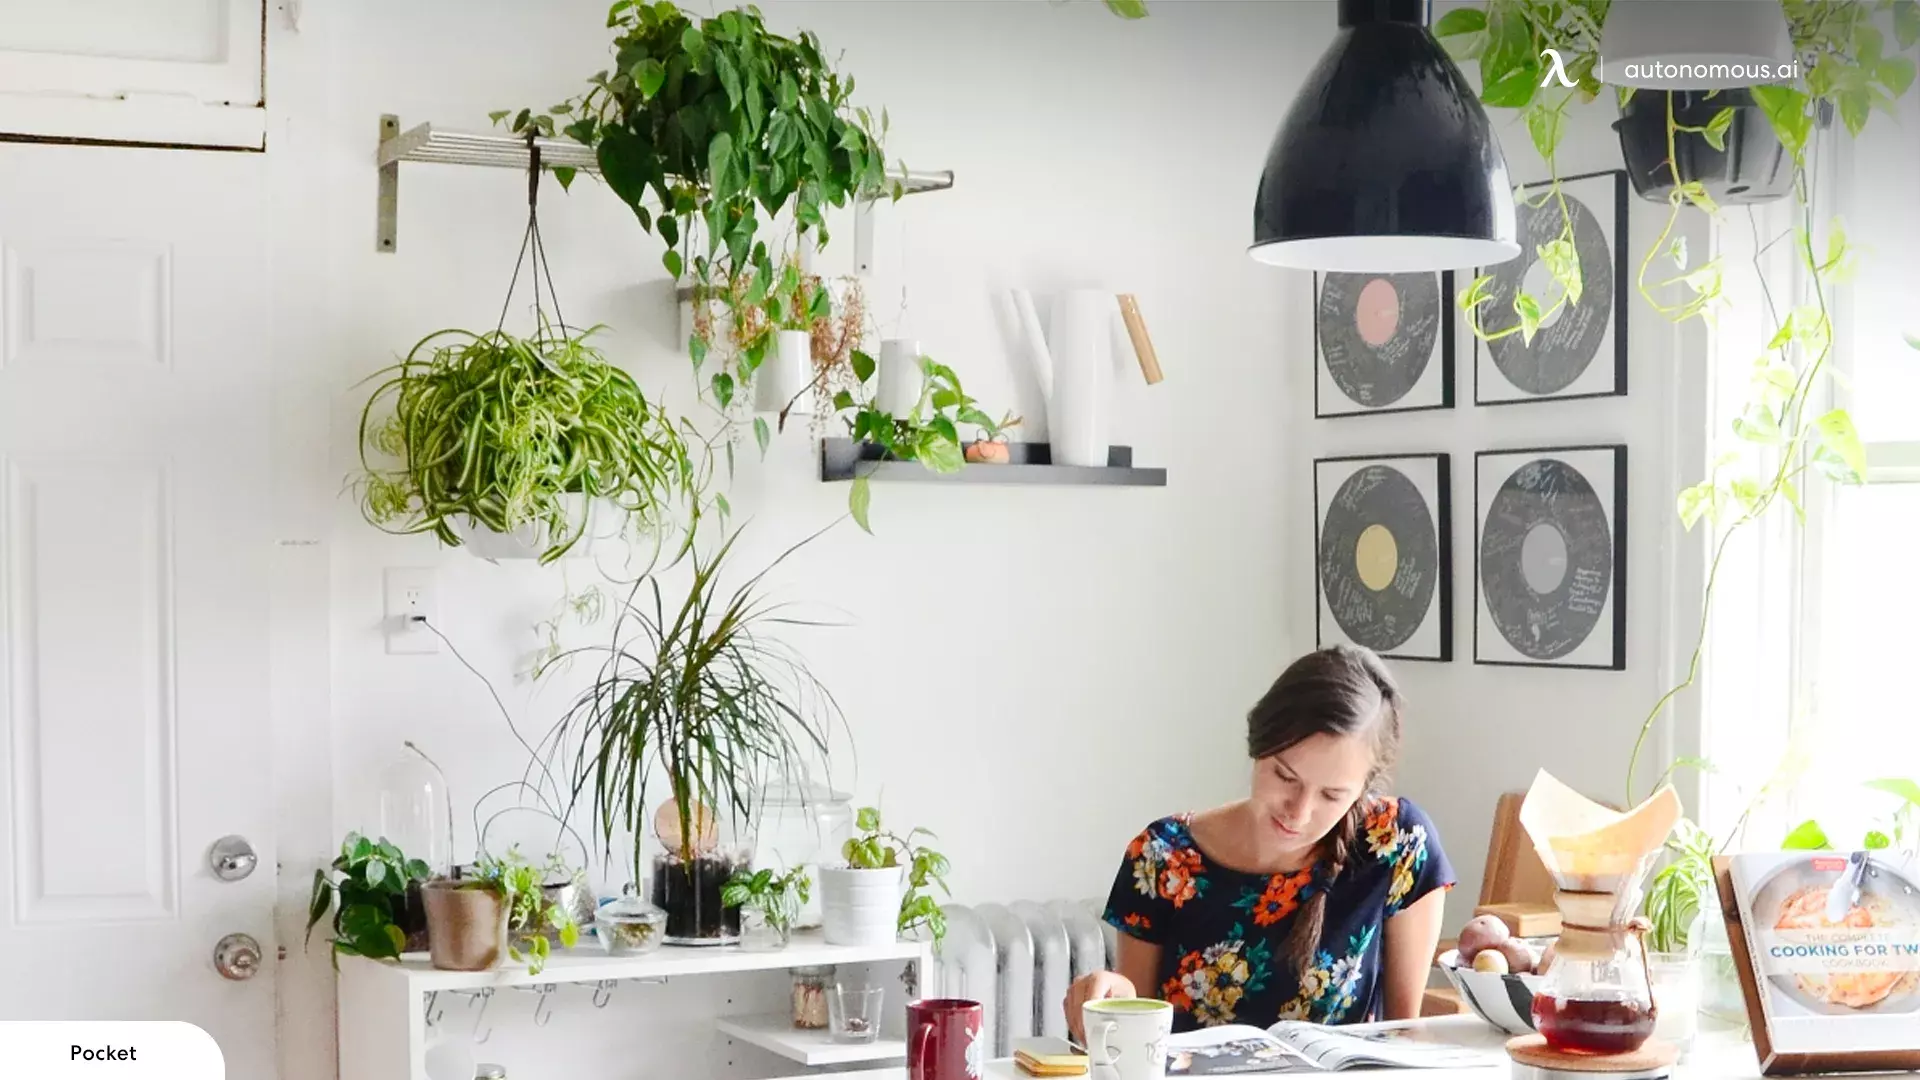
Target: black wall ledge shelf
<point x="1031" y="463"/>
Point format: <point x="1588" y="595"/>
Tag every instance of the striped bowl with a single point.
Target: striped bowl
<point x="1505" y="1001"/>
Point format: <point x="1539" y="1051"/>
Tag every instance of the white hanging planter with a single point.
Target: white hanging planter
<point x="861" y="907"/>
<point x="900" y="379"/>
<point x="785" y="375"/>
<point x="532" y="539"/>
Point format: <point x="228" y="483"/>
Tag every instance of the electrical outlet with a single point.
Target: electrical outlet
<point x="411" y="597"/>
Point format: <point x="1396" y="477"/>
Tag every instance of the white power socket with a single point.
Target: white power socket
<point x="411" y="597"/>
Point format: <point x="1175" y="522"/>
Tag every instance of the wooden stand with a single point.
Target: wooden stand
<point x="1533" y="1059"/>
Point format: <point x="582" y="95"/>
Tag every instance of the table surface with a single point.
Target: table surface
<point x="1714" y="1056"/>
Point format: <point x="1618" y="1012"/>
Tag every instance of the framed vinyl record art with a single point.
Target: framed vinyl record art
<point x="1580" y="350"/>
<point x="1382" y="343"/>
<point x="1550" y="557"/>
<point x="1383" y="558"/>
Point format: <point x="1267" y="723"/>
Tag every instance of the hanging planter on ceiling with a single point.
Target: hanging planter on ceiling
<point x="1751" y="166"/>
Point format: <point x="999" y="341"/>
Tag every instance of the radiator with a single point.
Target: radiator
<point x="1017" y="959"/>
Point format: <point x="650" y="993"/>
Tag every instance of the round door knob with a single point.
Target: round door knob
<point x="232" y="858"/>
<point x="237" y="957"/>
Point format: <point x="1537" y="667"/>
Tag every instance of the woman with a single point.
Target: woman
<point x="1312" y="899"/>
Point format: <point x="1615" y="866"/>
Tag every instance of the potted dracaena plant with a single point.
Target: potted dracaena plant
<point x="886" y="887"/>
<point x="701" y="694"/>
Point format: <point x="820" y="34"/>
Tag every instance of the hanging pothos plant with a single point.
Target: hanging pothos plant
<point x="1857" y="58"/>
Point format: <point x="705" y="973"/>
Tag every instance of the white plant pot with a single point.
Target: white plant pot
<point x="786" y="374"/>
<point x="1078" y="411"/>
<point x="529" y="540"/>
<point x="861" y="907"/>
<point x="899" y="375"/>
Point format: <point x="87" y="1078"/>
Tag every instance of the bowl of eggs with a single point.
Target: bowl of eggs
<point x="1496" y="974"/>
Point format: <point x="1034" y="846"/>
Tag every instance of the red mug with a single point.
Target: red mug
<point x="943" y="1040"/>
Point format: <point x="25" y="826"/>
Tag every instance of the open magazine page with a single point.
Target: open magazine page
<point x="1396" y="1047"/>
<point x="1231" y="1050"/>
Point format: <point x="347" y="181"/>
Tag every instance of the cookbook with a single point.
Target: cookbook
<point x="1834" y="939"/>
<point x="1293" y="1046"/>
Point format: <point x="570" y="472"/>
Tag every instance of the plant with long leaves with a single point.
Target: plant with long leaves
<point x="365" y="888"/>
<point x="700" y="692"/>
<point x="700" y="125"/>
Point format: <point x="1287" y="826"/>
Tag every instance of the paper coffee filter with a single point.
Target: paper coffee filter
<point x="1588" y="847"/>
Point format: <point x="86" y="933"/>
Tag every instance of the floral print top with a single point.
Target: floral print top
<point x="1223" y="933"/>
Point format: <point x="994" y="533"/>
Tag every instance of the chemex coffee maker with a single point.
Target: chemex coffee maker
<point x="1595" y="1014"/>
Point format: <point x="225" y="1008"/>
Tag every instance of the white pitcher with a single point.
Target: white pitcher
<point x="1074" y="365"/>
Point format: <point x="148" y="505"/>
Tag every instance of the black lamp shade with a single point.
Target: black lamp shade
<point x="1385" y="162"/>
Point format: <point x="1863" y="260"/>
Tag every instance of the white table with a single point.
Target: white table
<point x="1715" y="1056"/>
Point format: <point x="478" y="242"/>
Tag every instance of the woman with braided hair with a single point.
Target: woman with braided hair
<point x="1314" y="898"/>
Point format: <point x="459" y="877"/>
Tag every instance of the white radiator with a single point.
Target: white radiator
<point x="1017" y="959"/>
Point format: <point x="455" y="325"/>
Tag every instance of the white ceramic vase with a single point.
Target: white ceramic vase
<point x="861" y="907"/>
<point x="1073" y="361"/>
<point x="784" y="376"/>
<point x="899" y="375"/>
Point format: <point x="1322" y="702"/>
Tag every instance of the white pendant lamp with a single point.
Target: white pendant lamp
<point x="1696" y="44"/>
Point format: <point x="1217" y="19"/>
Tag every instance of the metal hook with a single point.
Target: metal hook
<point x="484" y="997"/>
<point x="543" y="1012"/>
<point x="433" y="1013"/>
<point x="603" y="992"/>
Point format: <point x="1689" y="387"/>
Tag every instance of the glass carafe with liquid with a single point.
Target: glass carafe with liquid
<point x="1598" y="997"/>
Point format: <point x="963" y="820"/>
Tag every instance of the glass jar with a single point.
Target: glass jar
<point x="757" y="934"/>
<point x="414" y="811"/>
<point x="1598" y="996"/>
<point x="811" y="986"/>
<point x="629" y="926"/>
<point x="803" y="823"/>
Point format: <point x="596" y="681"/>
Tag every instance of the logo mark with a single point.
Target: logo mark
<point x="1558" y="72"/>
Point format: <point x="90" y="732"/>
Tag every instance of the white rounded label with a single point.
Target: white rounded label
<point x="140" y="1049"/>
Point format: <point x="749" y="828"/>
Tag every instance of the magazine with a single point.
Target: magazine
<point x="1835" y="943"/>
<point x="1293" y="1046"/>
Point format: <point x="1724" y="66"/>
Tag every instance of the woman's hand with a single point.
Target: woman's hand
<point x="1100" y="984"/>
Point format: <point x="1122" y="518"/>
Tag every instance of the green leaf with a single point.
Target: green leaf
<point x="1782" y="335"/>
<point x="723" y="388"/>
<point x="697" y="349"/>
<point x="1544" y="125"/>
<point x="842" y="401"/>
<point x="396" y="938"/>
<point x="1514" y="89"/>
<point x="859" y="496"/>
<point x="498" y="115"/>
<point x="1786" y="110"/>
<point x="1716" y="133"/>
<point x="564" y="174"/>
<point x="1677" y="251"/>
<point x="1695" y="192"/>
<point x="1906" y="22"/>
<point x="1807" y="836"/>
<point x="1912" y="340"/>
<point x="670" y="258"/>
<point x="1128" y="9"/>
<point x="1856" y="108"/>
<point x="863" y="365"/>
<point x="1525" y="306"/>
<point x="1792" y="495"/>
<point x="1694" y="503"/>
<point x="1748" y="493"/>
<point x="1869" y="44"/>
<point x="720" y="165"/>
<point x="650" y="74"/>
<point x="1838" y="434"/>
<point x="1876" y="841"/>
<point x="1899" y="788"/>
<point x="1896" y="74"/>
<point x="761" y="434"/>
<point x="1759" y="425"/>
<point x="1563" y="263"/>
<point x="941" y="455"/>
<point x="1460" y="21"/>
<point x="867" y="819"/>
<point x="692" y="40"/>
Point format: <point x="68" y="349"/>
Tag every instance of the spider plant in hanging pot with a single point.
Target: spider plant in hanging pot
<point x="517" y="445"/>
<point x="699" y="694"/>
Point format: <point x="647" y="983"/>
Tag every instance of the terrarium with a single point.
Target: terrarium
<point x="686" y="879"/>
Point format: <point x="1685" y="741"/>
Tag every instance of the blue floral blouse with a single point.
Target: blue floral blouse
<point x="1223" y="933"/>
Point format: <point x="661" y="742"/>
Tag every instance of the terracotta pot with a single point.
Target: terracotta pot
<point x="466" y="926"/>
<point x="988" y="453"/>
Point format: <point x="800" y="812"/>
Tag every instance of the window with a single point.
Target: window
<point x="1811" y="657"/>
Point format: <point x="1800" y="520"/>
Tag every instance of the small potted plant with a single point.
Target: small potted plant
<point x="884" y="890"/>
<point x="769" y="903"/>
<point x="372" y="889"/>
<point x="534" y="918"/>
<point x="500" y="908"/>
<point x="991" y="447"/>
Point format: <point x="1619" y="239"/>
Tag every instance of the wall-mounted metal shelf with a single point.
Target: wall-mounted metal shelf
<point x="501" y="149"/>
<point x="1031" y="463"/>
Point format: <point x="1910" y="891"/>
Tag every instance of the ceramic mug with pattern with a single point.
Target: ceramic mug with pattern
<point x="1127" y="1037"/>
<point x="944" y="1040"/>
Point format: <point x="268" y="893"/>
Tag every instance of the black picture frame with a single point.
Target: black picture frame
<point x="1615" y="503"/>
<point x="1446" y="348"/>
<point x="1439" y="503"/>
<point x="1619" y="204"/>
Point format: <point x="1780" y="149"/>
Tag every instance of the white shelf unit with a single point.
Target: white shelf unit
<point x="775" y="1033"/>
<point x="503" y="149"/>
<point x="383" y="1004"/>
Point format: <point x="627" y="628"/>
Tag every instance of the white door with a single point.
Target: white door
<point x="134" y="545"/>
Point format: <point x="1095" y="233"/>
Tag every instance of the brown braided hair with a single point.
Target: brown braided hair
<point x="1342" y="690"/>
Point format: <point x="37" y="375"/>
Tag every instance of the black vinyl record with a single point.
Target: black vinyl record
<point x="1378" y="333"/>
<point x="1516" y="555"/>
<point x="1562" y="350"/>
<point x="1379" y="558"/>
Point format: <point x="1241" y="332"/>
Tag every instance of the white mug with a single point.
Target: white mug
<point x="1127" y="1038"/>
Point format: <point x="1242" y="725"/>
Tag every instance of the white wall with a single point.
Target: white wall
<point x="1476" y="731"/>
<point x="1032" y="673"/>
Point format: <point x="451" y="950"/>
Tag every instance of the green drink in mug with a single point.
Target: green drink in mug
<point x="1127" y="1037"/>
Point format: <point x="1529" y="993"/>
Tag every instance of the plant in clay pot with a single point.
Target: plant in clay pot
<point x="767" y="901"/>
<point x="372" y="889"/>
<point x="991" y="446"/>
<point x="885" y="888"/>
<point x="531" y="911"/>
